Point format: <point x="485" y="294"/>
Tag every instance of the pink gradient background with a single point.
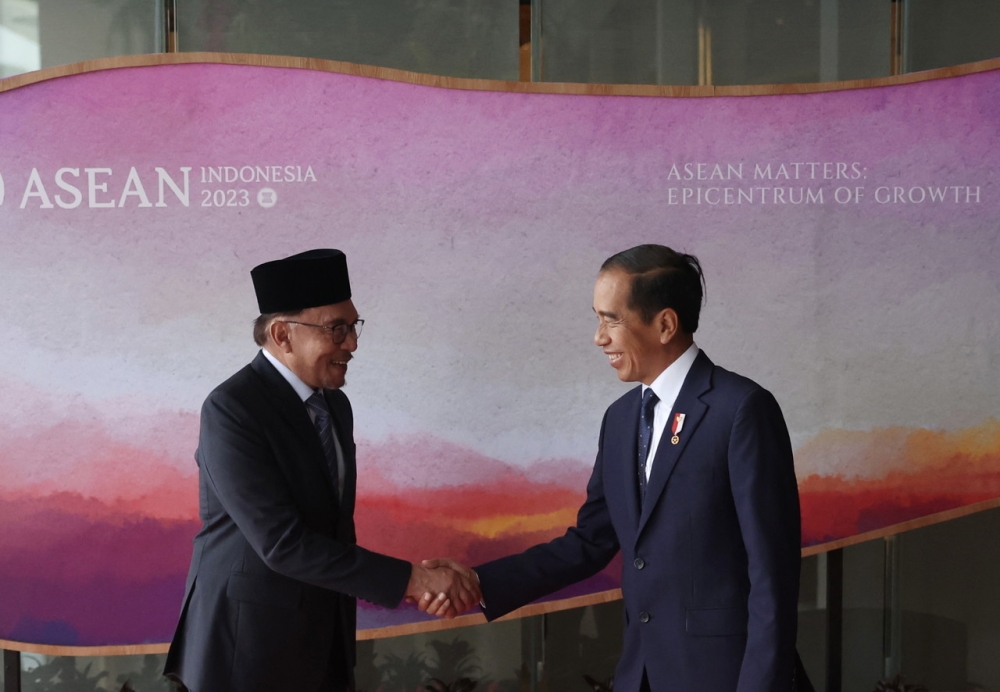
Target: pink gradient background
<point x="474" y="223"/>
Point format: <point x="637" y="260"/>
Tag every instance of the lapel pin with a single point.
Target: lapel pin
<point x="676" y="428"/>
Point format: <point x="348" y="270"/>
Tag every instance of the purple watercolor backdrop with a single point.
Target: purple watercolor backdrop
<point x="474" y="223"/>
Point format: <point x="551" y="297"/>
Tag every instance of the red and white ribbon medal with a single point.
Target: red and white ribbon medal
<point x="676" y="428"/>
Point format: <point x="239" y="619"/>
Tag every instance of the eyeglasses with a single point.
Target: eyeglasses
<point x="338" y="332"/>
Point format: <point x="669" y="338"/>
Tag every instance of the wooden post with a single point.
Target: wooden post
<point x="169" y="25"/>
<point x="896" y="38"/>
<point x="524" y="41"/>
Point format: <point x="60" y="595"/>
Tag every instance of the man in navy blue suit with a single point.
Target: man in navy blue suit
<point x="694" y="484"/>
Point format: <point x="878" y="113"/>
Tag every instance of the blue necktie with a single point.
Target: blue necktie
<point x="649" y="400"/>
<point x="324" y="426"/>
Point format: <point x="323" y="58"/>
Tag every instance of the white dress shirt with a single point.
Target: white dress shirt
<point x="305" y="391"/>
<point x="666" y="387"/>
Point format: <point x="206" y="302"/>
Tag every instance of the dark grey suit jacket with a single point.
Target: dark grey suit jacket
<point x="275" y="571"/>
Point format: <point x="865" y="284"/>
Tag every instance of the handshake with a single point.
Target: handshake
<point x="443" y="588"/>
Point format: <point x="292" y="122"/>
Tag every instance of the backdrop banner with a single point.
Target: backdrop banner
<point x="849" y="240"/>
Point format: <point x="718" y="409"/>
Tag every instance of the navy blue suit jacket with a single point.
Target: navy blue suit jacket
<point x="270" y="597"/>
<point x="710" y="561"/>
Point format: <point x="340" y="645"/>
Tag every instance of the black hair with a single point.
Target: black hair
<point x="662" y="278"/>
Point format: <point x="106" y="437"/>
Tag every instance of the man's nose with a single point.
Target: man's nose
<point x="601" y="336"/>
<point x="350" y="342"/>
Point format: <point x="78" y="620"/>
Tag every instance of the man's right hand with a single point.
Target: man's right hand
<point x="444" y="587"/>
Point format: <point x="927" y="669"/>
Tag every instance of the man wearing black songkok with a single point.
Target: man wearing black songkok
<point x="275" y="571"/>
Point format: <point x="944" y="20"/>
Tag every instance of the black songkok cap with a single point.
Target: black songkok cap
<point x="306" y="280"/>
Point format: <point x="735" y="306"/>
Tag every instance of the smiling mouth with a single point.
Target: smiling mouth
<point x="614" y="357"/>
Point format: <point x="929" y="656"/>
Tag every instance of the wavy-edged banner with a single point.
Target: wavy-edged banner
<point x="850" y="241"/>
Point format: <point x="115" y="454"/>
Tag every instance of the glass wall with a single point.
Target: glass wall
<point x="41" y="673"/>
<point x="949" y="605"/>
<point x="19" y="47"/>
<point x="44" y="33"/>
<point x="713" y="42"/>
<point x="459" y="38"/>
<point x="682" y="42"/>
<point x="87" y="29"/>
<point x="742" y="42"/>
<point x="940" y="34"/>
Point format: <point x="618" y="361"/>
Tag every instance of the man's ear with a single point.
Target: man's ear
<point x="668" y="324"/>
<point x="279" y="333"/>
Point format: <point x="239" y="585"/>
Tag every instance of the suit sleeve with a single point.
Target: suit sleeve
<point x="240" y="468"/>
<point x="765" y="492"/>
<point x="585" y="549"/>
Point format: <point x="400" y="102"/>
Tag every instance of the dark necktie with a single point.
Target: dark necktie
<point x="649" y="400"/>
<point x="324" y="426"/>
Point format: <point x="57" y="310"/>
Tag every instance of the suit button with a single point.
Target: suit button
<point x="643" y="617"/>
<point x="639" y="563"/>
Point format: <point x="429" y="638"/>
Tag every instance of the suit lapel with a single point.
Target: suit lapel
<point x="697" y="382"/>
<point x="629" y="444"/>
<point x="287" y="403"/>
